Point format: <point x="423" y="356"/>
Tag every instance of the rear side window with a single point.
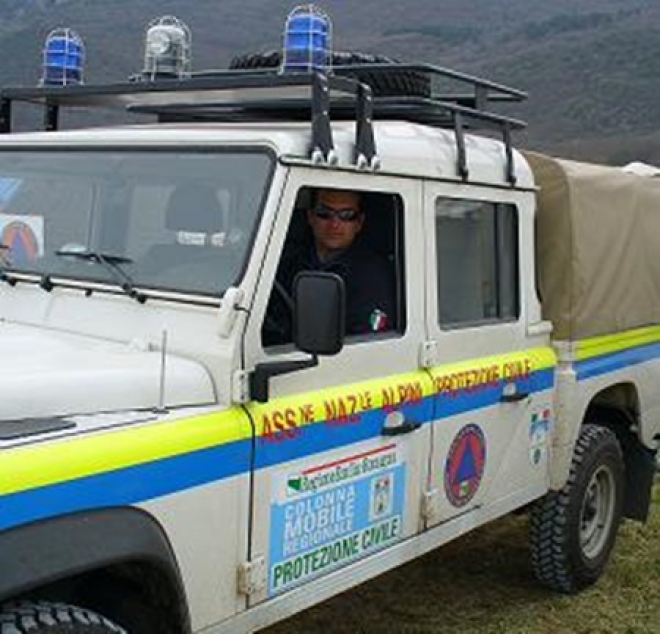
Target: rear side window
<point x="477" y="260"/>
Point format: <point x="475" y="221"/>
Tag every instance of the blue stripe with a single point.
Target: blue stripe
<point x="480" y="397"/>
<point x="324" y="436"/>
<point x="126" y="486"/>
<point x="613" y="361"/>
<point x="147" y="481"/>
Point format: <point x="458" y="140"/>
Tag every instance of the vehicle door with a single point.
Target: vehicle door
<point x="492" y="376"/>
<point x="341" y="449"/>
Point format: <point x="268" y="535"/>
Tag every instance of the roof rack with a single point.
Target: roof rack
<point x="266" y="95"/>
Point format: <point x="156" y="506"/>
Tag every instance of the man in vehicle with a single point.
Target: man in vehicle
<point x="336" y="220"/>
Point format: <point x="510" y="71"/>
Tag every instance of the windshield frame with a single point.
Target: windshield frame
<point x="176" y="294"/>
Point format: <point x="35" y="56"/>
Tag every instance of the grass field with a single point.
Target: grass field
<point x="482" y="584"/>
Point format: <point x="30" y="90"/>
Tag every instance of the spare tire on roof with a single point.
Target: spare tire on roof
<point x="383" y="84"/>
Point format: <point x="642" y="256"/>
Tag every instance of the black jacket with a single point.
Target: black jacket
<point x="369" y="282"/>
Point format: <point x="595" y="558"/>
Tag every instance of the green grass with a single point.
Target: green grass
<point x="483" y="584"/>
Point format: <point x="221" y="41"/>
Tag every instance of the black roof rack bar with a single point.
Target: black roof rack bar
<point x="164" y="91"/>
<point x="431" y="112"/>
<point x="513" y="94"/>
<point x="485" y="90"/>
<point x="321" y="130"/>
<point x="5" y="116"/>
<point x="418" y="109"/>
<point x="484" y="86"/>
<point x="428" y="111"/>
<point x="511" y="177"/>
<point x="480" y="98"/>
<point x="265" y="94"/>
<point x="228" y="87"/>
<point x="119" y="94"/>
<point x="461" y="156"/>
<point x="460" y="97"/>
<point x="231" y="89"/>
<point x="51" y="117"/>
<point x="365" y="143"/>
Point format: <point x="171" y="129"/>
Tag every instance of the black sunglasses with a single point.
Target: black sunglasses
<point x="345" y="215"/>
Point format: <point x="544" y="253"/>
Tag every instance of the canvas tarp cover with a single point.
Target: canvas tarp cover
<point x="598" y="247"/>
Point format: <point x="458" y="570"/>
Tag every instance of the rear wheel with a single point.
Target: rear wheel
<point x="53" y="618"/>
<point x="572" y="531"/>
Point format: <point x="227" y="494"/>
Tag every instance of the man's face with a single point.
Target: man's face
<point x="331" y="232"/>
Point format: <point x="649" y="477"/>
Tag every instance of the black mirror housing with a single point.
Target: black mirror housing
<point x="319" y="318"/>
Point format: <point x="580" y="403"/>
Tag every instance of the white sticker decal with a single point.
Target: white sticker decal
<point x="539" y="429"/>
<point x="327" y="515"/>
<point x="23" y="236"/>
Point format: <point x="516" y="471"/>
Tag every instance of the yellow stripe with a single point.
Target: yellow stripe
<point x="351" y="399"/>
<point x="540" y="358"/>
<point x="473" y="373"/>
<point x="89" y="454"/>
<point x="607" y="344"/>
<point x="354" y="399"/>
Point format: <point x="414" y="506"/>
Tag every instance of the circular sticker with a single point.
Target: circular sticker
<point x="21" y="240"/>
<point x="465" y="465"/>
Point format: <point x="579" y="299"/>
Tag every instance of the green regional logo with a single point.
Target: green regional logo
<point x="319" y="478"/>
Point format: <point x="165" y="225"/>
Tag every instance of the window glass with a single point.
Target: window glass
<point x="477" y="259"/>
<point x="173" y="220"/>
<point x="366" y="252"/>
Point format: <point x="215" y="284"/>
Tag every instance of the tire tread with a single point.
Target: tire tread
<point x="55" y="618"/>
<point x="550" y="530"/>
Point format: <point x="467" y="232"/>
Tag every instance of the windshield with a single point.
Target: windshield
<point x="176" y="220"/>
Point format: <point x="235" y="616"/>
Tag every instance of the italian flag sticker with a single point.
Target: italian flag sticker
<point x="378" y="320"/>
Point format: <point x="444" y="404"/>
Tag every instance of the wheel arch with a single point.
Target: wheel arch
<point x="71" y="557"/>
<point x="618" y="408"/>
<point x="620" y="397"/>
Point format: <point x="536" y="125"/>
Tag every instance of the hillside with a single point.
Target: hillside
<point x="590" y="66"/>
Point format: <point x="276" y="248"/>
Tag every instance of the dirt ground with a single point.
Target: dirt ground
<point x="482" y="583"/>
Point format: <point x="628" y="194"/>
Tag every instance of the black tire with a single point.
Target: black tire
<point x="53" y="618"/>
<point x="572" y="531"/>
<point x="388" y="84"/>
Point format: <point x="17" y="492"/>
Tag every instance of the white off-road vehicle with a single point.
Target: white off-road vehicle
<point x="164" y="469"/>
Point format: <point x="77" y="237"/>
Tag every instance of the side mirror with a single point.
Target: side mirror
<point x="319" y="312"/>
<point x="319" y="307"/>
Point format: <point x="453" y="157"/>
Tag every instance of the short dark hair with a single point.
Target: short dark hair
<point x="315" y="191"/>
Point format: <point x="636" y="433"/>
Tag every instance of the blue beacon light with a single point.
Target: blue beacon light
<point x="307" y="40"/>
<point x="63" y="58"/>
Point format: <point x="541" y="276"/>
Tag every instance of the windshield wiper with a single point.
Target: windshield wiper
<point x="111" y="263"/>
<point x="6" y="275"/>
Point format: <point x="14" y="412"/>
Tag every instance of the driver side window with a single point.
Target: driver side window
<point x="357" y="236"/>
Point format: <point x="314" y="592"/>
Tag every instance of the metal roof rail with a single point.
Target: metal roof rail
<point x="232" y="95"/>
<point x="454" y="110"/>
<point x="266" y="95"/>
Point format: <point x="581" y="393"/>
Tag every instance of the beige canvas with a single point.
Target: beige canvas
<point x="598" y="247"/>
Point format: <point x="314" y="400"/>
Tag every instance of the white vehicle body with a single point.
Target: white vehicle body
<point x="241" y="512"/>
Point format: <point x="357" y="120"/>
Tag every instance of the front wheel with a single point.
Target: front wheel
<point x="53" y="618"/>
<point x="572" y="531"/>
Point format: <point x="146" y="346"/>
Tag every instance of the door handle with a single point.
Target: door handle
<point x="510" y="394"/>
<point x="397" y="425"/>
